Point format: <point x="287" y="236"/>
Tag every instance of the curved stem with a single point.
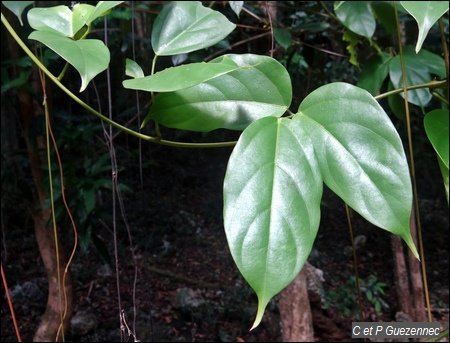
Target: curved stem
<point x="98" y="114"/>
<point x="431" y="85"/>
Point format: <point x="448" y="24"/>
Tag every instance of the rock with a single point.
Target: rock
<point x="83" y="322"/>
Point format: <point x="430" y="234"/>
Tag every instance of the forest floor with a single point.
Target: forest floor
<point x="187" y="287"/>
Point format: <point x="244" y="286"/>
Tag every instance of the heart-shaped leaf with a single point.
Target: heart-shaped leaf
<point x="426" y="14"/>
<point x="261" y="87"/>
<point x="89" y="56"/>
<point x="185" y="76"/>
<point x="360" y="155"/>
<point x="185" y="26"/>
<point x="272" y="193"/>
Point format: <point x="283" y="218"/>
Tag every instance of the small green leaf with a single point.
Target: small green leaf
<point x="283" y="37"/>
<point x="133" y="69"/>
<point x="374" y="73"/>
<point x="89" y="56"/>
<point x="101" y="9"/>
<point x="261" y="87"/>
<point x="184" y="76"/>
<point x="360" y="155"/>
<point x="185" y="26"/>
<point x="17" y="7"/>
<point x="357" y="16"/>
<point x="426" y="14"/>
<point x="272" y="193"/>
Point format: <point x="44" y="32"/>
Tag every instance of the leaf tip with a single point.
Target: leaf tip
<point x="262" y="303"/>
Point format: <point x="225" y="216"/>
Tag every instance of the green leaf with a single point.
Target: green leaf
<point x="67" y="22"/>
<point x="360" y="155"/>
<point x="272" y="193"/>
<point x="89" y="56"/>
<point x="184" y="76"/>
<point x="374" y="73"/>
<point x="283" y="37"/>
<point x="133" y="69"/>
<point x="436" y="128"/>
<point x="17" y="7"/>
<point x="416" y="73"/>
<point x="357" y="16"/>
<point x="385" y="13"/>
<point x="60" y="19"/>
<point x="185" y="26"/>
<point x="434" y="63"/>
<point x="426" y="14"/>
<point x="260" y="88"/>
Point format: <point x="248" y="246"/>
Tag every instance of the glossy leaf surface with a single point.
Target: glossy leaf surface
<point x="272" y="193"/>
<point x="261" y="87"/>
<point x="185" y="26"/>
<point x="273" y="183"/>
<point x="426" y="14"/>
<point x="184" y="76"/>
<point x="360" y="155"/>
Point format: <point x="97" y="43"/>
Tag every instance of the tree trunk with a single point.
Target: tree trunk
<point x="418" y="305"/>
<point x="401" y="276"/>
<point x="295" y="311"/>
<point x="408" y="281"/>
<point x="56" y="319"/>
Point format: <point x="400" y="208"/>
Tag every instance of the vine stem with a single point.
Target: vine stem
<point x="158" y="140"/>
<point x="98" y="114"/>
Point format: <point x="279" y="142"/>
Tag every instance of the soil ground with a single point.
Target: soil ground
<point x="187" y="287"/>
